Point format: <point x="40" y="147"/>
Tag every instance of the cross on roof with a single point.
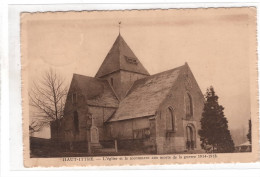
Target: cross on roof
<point x="119" y="23"/>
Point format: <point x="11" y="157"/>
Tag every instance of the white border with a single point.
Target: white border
<point x="11" y="137"/>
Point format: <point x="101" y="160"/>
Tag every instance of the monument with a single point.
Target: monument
<point x="94" y="137"/>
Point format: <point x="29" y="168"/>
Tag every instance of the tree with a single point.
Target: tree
<point x="214" y="125"/>
<point x="47" y="97"/>
<point x="249" y="132"/>
<point x="36" y="125"/>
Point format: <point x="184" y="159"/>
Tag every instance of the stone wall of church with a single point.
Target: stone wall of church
<point x="100" y="115"/>
<point x="69" y="133"/>
<point x="125" y="129"/>
<point x="136" y="133"/>
<point x="176" y="141"/>
<point x="167" y="141"/>
<point x="198" y="103"/>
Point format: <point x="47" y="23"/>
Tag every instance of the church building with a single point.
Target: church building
<point x="157" y="113"/>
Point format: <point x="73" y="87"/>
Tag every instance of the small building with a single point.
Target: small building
<point x="152" y="113"/>
<point x="244" y="147"/>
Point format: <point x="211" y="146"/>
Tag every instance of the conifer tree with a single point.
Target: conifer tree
<point x="214" y="125"/>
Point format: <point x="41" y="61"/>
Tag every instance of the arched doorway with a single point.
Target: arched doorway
<point x="191" y="137"/>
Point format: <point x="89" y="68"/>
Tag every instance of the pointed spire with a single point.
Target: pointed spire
<point x="121" y="57"/>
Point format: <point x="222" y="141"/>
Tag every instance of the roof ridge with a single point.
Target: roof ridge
<point x="166" y="71"/>
<point x="151" y="76"/>
<point x="81" y="75"/>
<point x="95" y="90"/>
<point x="119" y="49"/>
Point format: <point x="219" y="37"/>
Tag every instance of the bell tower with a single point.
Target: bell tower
<point x="121" y="68"/>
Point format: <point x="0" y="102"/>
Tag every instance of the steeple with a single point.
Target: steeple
<point x="121" y="57"/>
<point x="121" y="68"/>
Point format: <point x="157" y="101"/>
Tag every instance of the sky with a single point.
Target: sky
<point x="214" y="42"/>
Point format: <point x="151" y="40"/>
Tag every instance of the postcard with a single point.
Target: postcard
<point x="139" y="87"/>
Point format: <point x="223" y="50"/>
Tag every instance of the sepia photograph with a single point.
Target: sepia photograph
<point x="122" y="87"/>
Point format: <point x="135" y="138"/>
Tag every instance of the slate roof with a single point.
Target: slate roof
<point x="96" y="91"/>
<point x="121" y="57"/>
<point x="146" y="95"/>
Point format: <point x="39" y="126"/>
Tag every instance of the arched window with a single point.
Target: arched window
<point x="74" y="98"/>
<point x="189" y="105"/>
<point x="76" y="121"/>
<point x="170" y="119"/>
<point x="111" y="81"/>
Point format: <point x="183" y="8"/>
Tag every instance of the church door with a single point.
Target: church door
<point x="190" y="143"/>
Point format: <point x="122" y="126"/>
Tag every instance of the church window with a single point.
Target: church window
<point x="74" y="98"/>
<point x="170" y="119"/>
<point x="111" y="81"/>
<point x="189" y="106"/>
<point x="131" y="60"/>
<point x="76" y="121"/>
